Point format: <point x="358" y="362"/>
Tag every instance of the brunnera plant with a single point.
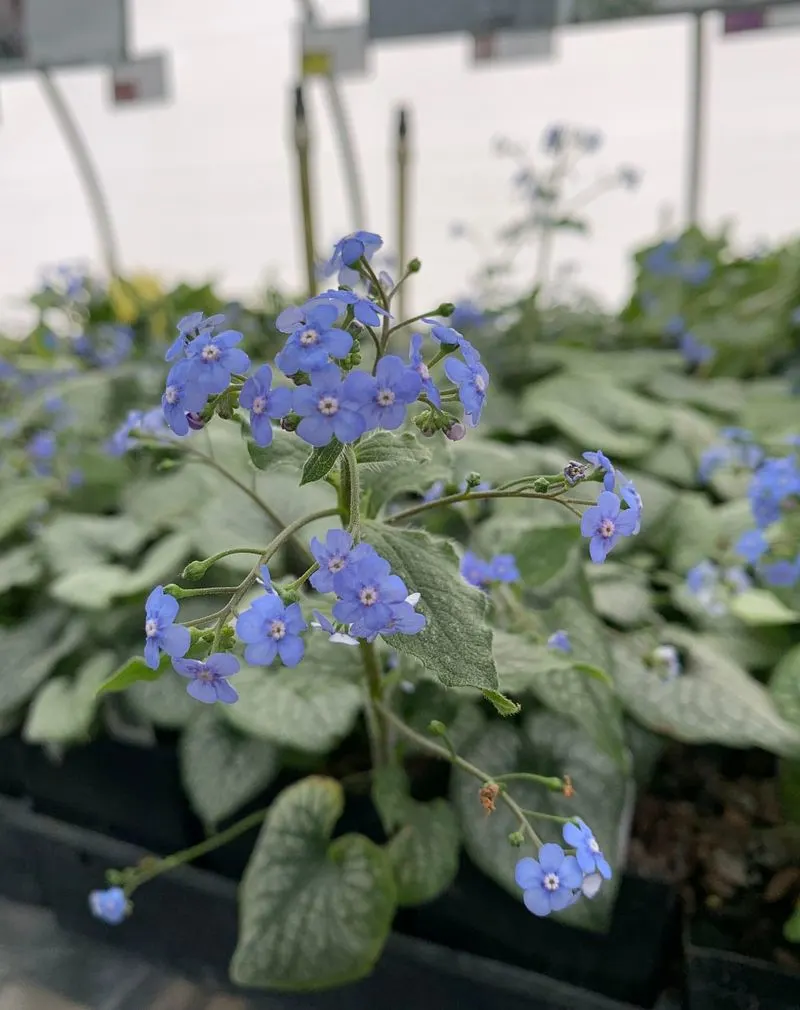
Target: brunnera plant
<point x="316" y="910"/>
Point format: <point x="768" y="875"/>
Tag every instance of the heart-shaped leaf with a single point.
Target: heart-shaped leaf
<point x="221" y="769"/>
<point x="383" y="450"/>
<point x="313" y="913"/>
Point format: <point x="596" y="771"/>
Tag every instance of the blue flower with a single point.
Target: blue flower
<point x="711" y="460"/>
<point x="417" y="362"/>
<point x="326" y="409"/>
<point x="449" y="337"/>
<point x="403" y="620"/>
<point x="213" y="357"/>
<point x="560" y="640"/>
<point x="600" y="459"/>
<point x="751" y="545"/>
<point x="695" y="353"/>
<point x="548" y="883"/>
<point x="338" y="637"/>
<point x="632" y="499"/>
<point x="736" y="579"/>
<point x="472" y="379"/>
<point x="366" y="311"/>
<point x="783" y="573"/>
<point x="189" y="327"/>
<point x="574" y="471"/>
<point x="160" y="631"/>
<point x="110" y="905"/>
<point x="475" y="570"/>
<point x="209" y="678"/>
<point x="553" y="138"/>
<point x="181" y="396"/>
<point x="774" y="481"/>
<point x="348" y="251"/>
<point x="580" y="837"/>
<point x="382" y="398"/>
<point x="333" y="557"/>
<point x="604" y="524"/>
<point x="703" y="582"/>
<point x="41" y="450"/>
<point x="367" y="592"/>
<point x="270" y="628"/>
<point x="263" y="402"/>
<point x="467" y="314"/>
<point x="503" y="568"/>
<point x="434" y="492"/>
<point x="311" y="345"/>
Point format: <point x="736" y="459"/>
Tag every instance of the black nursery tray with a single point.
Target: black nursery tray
<point x="187" y="920"/>
<point x="722" y="980"/>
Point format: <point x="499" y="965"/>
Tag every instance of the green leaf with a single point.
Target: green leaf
<point x="77" y="541"/>
<point x="134" y="670"/>
<point x="28" y="659"/>
<point x="621" y="594"/>
<point x="547" y="745"/>
<point x="287" y="450"/>
<point x="791" y="928"/>
<point x="543" y="552"/>
<point x="582" y="693"/>
<point x="714" y="701"/>
<point x="719" y="396"/>
<point x="383" y="486"/>
<point x="163" y="702"/>
<point x="784" y="685"/>
<point x="63" y="710"/>
<point x="456" y="643"/>
<point x="221" y="769"/>
<point x="301" y="708"/>
<point x="425" y="843"/>
<point x="19" y="567"/>
<point x="21" y="499"/>
<point x="383" y="450"/>
<point x="321" y="461"/>
<point x="313" y="913"/>
<point x="761" y="607"/>
<point x="503" y="706"/>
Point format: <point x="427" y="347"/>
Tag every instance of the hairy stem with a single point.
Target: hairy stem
<point x="451" y="499"/>
<point x="376" y="723"/>
<point x="350" y="464"/>
<point x="459" y="762"/>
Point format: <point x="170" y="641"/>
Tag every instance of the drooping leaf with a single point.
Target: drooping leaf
<point x="713" y="701"/>
<point x="621" y="594"/>
<point x="383" y="450"/>
<point x="549" y="745"/>
<point x="221" y="769"/>
<point x="133" y="670"/>
<point x="784" y="686"/>
<point x="502" y="705"/>
<point x="313" y="913"/>
<point x="425" y="838"/>
<point x="456" y="643"/>
<point x="321" y="461"/>
<point x="63" y="710"/>
<point x="27" y="659"/>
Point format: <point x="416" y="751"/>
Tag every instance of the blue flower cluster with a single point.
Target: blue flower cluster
<point x="557" y="878"/>
<point x="480" y="573"/>
<point x="607" y="521"/>
<point x="713" y="586"/>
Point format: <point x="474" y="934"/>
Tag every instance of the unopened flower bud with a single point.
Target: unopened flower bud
<point x="174" y="590"/>
<point x="195" y="421"/>
<point x="516" y="838"/>
<point x="290" y="422"/>
<point x="455" y="432"/>
<point x="301" y="379"/>
<point x="437" y="728"/>
<point x="473" y="480"/>
<point x="575" y="471"/>
<point x="414" y="266"/>
<point x="445" y="309"/>
<point x="195" y="570"/>
<point x="541" y="485"/>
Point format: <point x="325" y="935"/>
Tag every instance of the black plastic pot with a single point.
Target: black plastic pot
<point x="12" y="774"/>
<point x="19" y="871"/>
<point x="187" y="920"/>
<point x="115" y="788"/>
<point x="722" y="980"/>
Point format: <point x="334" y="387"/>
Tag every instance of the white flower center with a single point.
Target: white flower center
<point x="328" y="405"/>
<point x="480" y="383"/>
<point x="368" y="596"/>
<point x="151" y="628"/>
<point x="277" y="630"/>
<point x="423" y="371"/>
<point x="205" y="675"/>
<point x="171" y="394"/>
<point x="551" y="882"/>
<point x="606" y="528"/>
<point x="309" y="337"/>
<point x="336" y="563"/>
<point x="259" y="405"/>
<point x="593" y="846"/>
<point x="210" y="353"/>
<point x="384" y="397"/>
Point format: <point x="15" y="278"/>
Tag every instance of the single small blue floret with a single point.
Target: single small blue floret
<point x="263" y="402"/>
<point x="189" y="327"/>
<point x="311" y="345"/>
<point x="503" y="568"/>
<point x="270" y="628"/>
<point x="160" y="631"/>
<point x="549" y="882"/>
<point x="213" y="358"/>
<point x="208" y="679"/>
<point x="382" y="398"/>
<point x="472" y="380"/>
<point x="333" y="557"/>
<point x="587" y="850"/>
<point x="348" y="251"/>
<point x="367" y="591"/>
<point x="110" y="905"/>
<point x="751" y="546"/>
<point x="604" y="523"/>
<point x="600" y="459"/>
<point x="326" y="409"/>
<point x="560" y="640"/>
<point x="417" y="362"/>
<point x="366" y="311"/>
<point x="182" y="395"/>
<point x="475" y="570"/>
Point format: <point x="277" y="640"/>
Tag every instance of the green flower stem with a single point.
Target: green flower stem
<point x="549" y="817"/>
<point x="286" y="534"/>
<point x="452" y="499"/>
<point x="439" y="356"/>
<point x="350" y="465"/>
<point x="304" y="577"/>
<point x="206" y="563"/>
<point x="376" y="720"/>
<point x="459" y="762"/>
<point x="375" y="340"/>
<point x="183" y="594"/>
<point x="155" y="867"/>
<point x="197" y="621"/>
<point x="552" y="783"/>
<point x="413" y="319"/>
